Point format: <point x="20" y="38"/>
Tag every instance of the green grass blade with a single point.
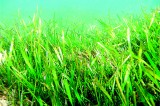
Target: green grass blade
<point x="67" y="88"/>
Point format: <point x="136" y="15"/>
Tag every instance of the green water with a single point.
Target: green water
<point x="86" y="11"/>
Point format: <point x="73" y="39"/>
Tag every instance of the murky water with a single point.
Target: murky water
<point x="72" y="10"/>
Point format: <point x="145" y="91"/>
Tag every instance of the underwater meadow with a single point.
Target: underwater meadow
<point x="110" y="63"/>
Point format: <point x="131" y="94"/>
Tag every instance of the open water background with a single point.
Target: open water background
<point x="65" y="11"/>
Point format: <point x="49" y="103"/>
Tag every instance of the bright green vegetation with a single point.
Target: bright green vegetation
<point x="118" y="64"/>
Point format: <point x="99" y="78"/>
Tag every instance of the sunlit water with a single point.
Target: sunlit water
<point x="85" y="11"/>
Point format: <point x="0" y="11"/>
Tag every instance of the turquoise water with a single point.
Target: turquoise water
<point x="73" y="10"/>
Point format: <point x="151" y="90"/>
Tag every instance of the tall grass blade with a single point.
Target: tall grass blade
<point x="67" y="88"/>
<point x="140" y="88"/>
<point x="121" y="91"/>
<point x="104" y="91"/>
